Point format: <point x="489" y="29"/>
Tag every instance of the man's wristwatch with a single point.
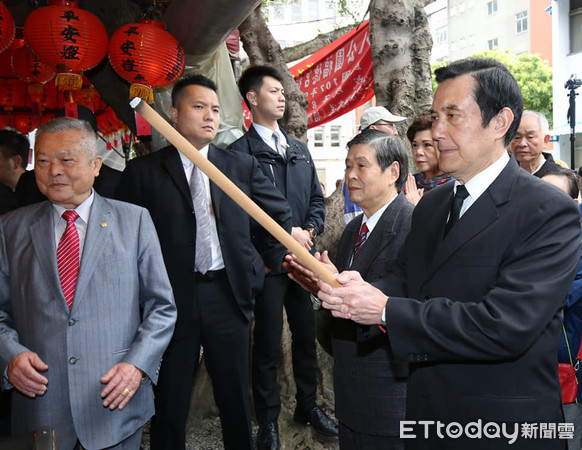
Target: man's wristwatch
<point x="311" y="230"/>
<point x="315" y="302"/>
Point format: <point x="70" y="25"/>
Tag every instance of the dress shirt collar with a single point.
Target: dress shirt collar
<point x="83" y="210"/>
<point x="480" y="182"/>
<point x="186" y="163"/>
<point x="374" y="218"/>
<point x="267" y="136"/>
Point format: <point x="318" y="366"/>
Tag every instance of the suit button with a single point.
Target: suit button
<point x="73" y="360"/>
<point x="72" y="322"/>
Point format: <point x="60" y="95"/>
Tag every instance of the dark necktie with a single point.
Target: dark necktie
<point x="360" y="241"/>
<point x="456" y="206"/>
<point x="68" y="257"/>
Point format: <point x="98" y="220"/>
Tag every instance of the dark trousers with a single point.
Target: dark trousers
<point x="354" y="440"/>
<point x="223" y="331"/>
<point x="280" y="291"/>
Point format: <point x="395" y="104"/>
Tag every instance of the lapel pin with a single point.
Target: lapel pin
<point x="103" y="224"/>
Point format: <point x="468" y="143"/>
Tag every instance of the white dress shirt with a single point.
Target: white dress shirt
<point x="83" y="210"/>
<point x="217" y="261"/>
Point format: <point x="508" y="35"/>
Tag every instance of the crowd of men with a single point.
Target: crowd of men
<point x="447" y="312"/>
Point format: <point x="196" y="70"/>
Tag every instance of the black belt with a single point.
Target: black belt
<point x="211" y="275"/>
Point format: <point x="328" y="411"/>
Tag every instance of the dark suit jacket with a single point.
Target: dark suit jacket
<point x="370" y="387"/>
<point x="296" y="179"/>
<point x="158" y="183"/>
<point x="482" y="323"/>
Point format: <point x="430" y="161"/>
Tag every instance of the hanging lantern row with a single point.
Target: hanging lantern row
<point x="7" y="27"/>
<point x="147" y="56"/>
<point x="67" y="38"/>
<point x="30" y="70"/>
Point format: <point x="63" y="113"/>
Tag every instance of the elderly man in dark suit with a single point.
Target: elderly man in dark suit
<point x="486" y="269"/>
<point x="370" y="386"/>
<point x="215" y="270"/>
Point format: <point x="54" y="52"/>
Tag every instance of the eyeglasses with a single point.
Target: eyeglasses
<point x="386" y="124"/>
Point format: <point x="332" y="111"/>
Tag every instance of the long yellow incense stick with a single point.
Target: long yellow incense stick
<point x="230" y="189"/>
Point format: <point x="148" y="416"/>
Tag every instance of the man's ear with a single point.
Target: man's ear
<point x="394" y="170"/>
<point x="16" y="161"/>
<point x="503" y="121"/>
<point x="174" y="115"/>
<point x="252" y="97"/>
<point x="546" y="139"/>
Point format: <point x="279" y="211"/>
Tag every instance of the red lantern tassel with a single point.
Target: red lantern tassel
<point x="69" y="81"/>
<point x="144" y="92"/>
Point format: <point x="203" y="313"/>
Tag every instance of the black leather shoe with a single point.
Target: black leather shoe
<point x="318" y="419"/>
<point x="268" y="436"/>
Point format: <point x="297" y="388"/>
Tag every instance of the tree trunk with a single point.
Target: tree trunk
<point x="401" y="43"/>
<point x="263" y="49"/>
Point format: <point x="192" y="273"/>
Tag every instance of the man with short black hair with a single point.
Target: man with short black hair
<point x="486" y="268"/>
<point x="290" y="169"/>
<point x="215" y="263"/>
<point x="14" y="150"/>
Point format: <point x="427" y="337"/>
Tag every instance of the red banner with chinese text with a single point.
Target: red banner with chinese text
<point x="337" y="78"/>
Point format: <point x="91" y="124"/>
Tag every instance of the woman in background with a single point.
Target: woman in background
<point x="425" y="156"/>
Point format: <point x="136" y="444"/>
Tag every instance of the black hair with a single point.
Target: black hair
<point x="572" y="177"/>
<point x="421" y="123"/>
<point x="189" y="80"/>
<point x="252" y="80"/>
<point x="13" y="143"/>
<point x="495" y="88"/>
<point x="388" y="149"/>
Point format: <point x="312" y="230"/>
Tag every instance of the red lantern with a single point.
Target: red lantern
<point x="30" y="70"/>
<point x="7" y="28"/>
<point x="67" y="38"/>
<point x="25" y="123"/>
<point x="12" y="93"/>
<point x="147" y="56"/>
<point x="5" y="69"/>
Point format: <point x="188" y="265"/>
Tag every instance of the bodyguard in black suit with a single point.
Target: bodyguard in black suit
<point x="288" y="165"/>
<point x="480" y="322"/>
<point x="214" y="306"/>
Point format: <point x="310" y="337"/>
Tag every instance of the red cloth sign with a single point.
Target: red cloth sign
<point x="337" y="78"/>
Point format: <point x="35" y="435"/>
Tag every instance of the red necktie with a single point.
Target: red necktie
<point x="68" y="257"/>
<point x="360" y="241"/>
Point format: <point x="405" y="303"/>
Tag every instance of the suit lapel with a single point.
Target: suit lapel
<point x="43" y="239"/>
<point x="344" y="253"/>
<point x="173" y="165"/>
<point x="381" y="236"/>
<point x="96" y="240"/>
<point x="478" y="217"/>
<point x="216" y="193"/>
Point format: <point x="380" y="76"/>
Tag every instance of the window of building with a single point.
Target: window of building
<point x="454" y="45"/>
<point x="318" y="137"/>
<point x="313" y="9"/>
<point x="521" y="22"/>
<point x="491" y="7"/>
<point x="492" y="43"/>
<point x="296" y="12"/>
<point x="463" y="42"/>
<point x="335" y="135"/>
<point x="575" y="26"/>
<point x="441" y="35"/>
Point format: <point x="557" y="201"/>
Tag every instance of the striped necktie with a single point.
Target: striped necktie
<point x="68" y="257"/>
<point x="360" y="241"/>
